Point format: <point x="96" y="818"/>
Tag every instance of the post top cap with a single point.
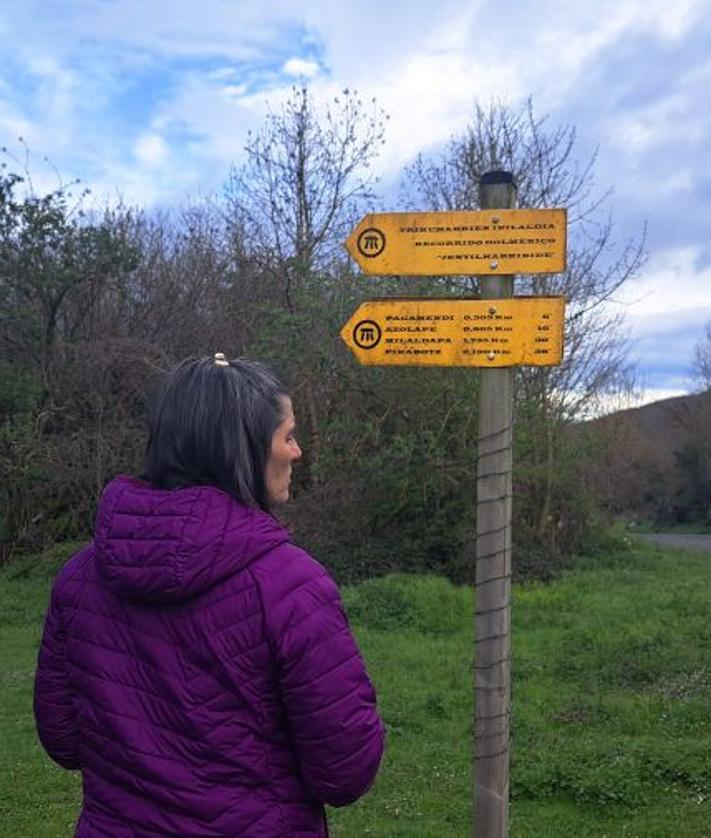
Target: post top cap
<point x="497" y="176"/>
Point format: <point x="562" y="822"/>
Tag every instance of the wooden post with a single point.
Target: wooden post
<point x="492" y="654"/>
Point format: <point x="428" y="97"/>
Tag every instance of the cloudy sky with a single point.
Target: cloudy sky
<point x="151" y="100"/>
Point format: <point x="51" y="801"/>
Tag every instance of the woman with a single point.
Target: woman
<point x="196" y="666"/>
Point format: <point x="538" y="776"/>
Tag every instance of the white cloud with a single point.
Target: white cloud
<point x="645" y="395"/>
<point x="213" y="118"/>
<point x="679" y="181"/>
<point x="13" y="124"/>
<point x="234" y="91"/>
<point x="670" y="21"/>
<point x="656" y="394"/>
<point x="670" y="283"/>
<point x="163" y="27"/>
<point x="674" y="120"/>
<point x="573" y="34"/>
<point x="151" y="149"/>
<point x="666" y="308"/>
<point x="300" y="68"/>
<point x="427" y="78"/>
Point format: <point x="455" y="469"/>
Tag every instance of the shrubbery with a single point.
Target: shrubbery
<point x="94" y="305"/>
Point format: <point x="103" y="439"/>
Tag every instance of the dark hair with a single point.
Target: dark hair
<point x="212" y="425"/>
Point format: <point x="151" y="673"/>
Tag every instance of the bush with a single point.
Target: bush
<point x="426" y="604"/>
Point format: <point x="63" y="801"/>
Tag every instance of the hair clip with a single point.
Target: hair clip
<point x="220" y="360"/>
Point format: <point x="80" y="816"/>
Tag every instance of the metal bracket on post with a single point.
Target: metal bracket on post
<point x="492" y="654"/>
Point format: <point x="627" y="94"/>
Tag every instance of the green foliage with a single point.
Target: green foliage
<point x="692" y="502"/>
<point x="48" y="253"/>
<point x="54" y="265"/>
<point x="20" y="390"/>
<point x="555" y="513"/>
<point x="426" y="604"/>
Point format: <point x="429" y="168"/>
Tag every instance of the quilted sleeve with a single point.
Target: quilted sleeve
<point x="329" y="699"/>
<point x="53" y="704"/>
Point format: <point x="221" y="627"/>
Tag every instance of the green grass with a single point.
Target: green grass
<point x="37" y="799"/>
<point x="611" y="703"/>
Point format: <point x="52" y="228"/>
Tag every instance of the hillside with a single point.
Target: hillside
<point x="655" y="460"/>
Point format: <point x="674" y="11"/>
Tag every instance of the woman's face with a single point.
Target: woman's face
<point x="284" y="451"/>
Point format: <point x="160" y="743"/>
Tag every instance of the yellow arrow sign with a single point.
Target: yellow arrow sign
<point x="451" y="332"/>
<point x="531" y="241"/>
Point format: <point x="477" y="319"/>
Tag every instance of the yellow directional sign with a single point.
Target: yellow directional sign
<point x="451" y="332"/>
<point x="531" y="241"/>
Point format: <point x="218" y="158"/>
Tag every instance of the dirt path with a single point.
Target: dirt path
<point x="699" y="543"/>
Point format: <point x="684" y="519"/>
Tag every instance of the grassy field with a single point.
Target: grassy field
<point x="611" y="703"/>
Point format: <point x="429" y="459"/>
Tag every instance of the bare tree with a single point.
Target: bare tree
<point x="701" y="364"/>
<point x="543" y="161"/>
<point x="306" y="176"/>
<point x="308" y="173"/>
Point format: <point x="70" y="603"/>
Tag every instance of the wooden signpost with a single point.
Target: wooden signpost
<point x="495" y="332"/>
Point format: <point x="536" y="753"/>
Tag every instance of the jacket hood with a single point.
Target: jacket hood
<point x="169" y="545"/>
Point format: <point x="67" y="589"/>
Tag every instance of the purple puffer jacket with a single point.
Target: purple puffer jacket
<point x="198" y="669"/>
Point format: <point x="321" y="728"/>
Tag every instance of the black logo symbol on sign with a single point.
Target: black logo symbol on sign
<point x="371" y="242"/>
<point x="367" y="334"/>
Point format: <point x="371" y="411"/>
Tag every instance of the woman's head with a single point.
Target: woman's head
<point x="223" y="423"/>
